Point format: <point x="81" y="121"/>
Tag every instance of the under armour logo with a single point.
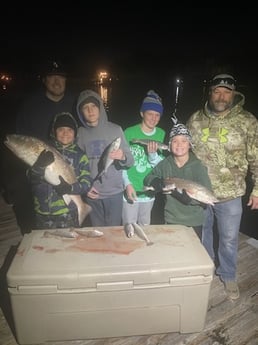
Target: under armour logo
<point x="222" y="135"/>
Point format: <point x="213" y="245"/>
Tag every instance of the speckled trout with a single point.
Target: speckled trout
<point x="105" y="161"/>
<point x="29" y="148"/>
<point x="138" y="230"/>
<point x="129" y="229"/>
<point x="145" y="142"/>
<point x="193" y="189"/>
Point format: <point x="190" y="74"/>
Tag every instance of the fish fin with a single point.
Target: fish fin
<point x="82" y="207"/>
<point x="83" y="212"/>
<point x="67" y="199"/>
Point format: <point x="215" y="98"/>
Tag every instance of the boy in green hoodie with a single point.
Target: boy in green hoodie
<point x="181" y="163"/>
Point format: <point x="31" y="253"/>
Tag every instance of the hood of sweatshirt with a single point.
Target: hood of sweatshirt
<point x="82" y="99"/>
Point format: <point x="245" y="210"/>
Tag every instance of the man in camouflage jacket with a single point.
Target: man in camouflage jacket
<point x="225" y="138"/>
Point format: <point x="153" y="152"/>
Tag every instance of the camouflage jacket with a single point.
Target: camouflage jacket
<point x="228" y="146"/>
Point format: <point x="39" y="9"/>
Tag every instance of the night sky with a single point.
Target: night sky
<point x="125" y="39"/>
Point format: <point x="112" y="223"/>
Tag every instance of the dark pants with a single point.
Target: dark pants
<point x="106" y="212"/>
<point x="67" y="220"/>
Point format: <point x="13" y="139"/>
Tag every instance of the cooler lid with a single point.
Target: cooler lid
<point x="84" y="262"/>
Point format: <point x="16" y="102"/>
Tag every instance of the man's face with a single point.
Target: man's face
<point x="221" y="99"/>
<point x="55" y="85"/>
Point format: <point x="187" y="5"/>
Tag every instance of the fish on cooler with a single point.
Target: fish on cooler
<point x="73" y="233"/>
<point x="62" y="232"/>
<point x="145" y="142"/>
<point x="129" y="229"/>
<point x="105" y="161"/>
<point x="138" y="230"/>
<point x="193" y="189"/>
<point x="28" y="149"/>
<point x="90" y="233"/>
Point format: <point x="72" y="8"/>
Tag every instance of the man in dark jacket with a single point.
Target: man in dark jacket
<point x="34" y="118"/>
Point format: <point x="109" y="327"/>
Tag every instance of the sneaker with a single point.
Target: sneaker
<point x="231" y="289"/>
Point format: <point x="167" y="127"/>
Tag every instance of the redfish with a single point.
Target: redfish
<point x="28" y="149"/>
<point x="193" y="189"/>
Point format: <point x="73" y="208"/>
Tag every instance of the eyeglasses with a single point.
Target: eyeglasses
<point x="228" y="82"/>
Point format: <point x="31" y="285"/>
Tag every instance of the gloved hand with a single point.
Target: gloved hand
<point x="183" y="197"/>
<point x="34" y="177"/>
<point x="37" y="171"/>
<point x="44" y="159"/>
<point x="63" y="187"/>
<point x="158" y="184"/>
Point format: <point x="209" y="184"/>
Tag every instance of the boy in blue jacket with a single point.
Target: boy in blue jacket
<point x="51" y="211"/>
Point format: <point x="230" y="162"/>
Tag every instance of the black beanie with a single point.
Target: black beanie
<point x="90" y="99"/>
<point x="65" y="120"/>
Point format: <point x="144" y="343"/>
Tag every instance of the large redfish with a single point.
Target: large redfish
<point x="28" y="149"/>
<point x="193" y="189"/>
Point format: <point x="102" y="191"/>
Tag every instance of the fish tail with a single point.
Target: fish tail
<point x="83" y="212"/>
<point x="82" y="207"/>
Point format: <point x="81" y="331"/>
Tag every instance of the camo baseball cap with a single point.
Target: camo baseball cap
<point x="223" y="80"/>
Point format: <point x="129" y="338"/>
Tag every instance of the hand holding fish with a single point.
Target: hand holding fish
<point x="44" y="159"/>
<point x="146" y="142"/>
<point x="63" y="187"/>
<point x="182" y="196"/>
<point x="117" y="154"/>
<point x="158" y="184"/>
<point x="152" y="146"/>
<point x="130" y="193"/>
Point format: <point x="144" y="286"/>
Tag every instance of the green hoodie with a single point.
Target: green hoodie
<point x="175" y="212"/>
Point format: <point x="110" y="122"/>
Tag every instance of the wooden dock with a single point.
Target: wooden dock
<point x="227" y="322"/>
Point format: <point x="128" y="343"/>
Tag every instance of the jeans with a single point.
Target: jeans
<point x="106" y="212"/>
<point x="228" y="218"/>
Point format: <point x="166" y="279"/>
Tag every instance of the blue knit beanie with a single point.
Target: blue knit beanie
<point x="152" y="102"/>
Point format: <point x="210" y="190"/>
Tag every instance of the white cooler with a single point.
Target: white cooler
<point x="109" y="286"/>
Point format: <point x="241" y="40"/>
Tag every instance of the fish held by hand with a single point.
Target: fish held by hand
<point x="145" y="142"/>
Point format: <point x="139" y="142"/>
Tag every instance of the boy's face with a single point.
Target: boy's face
<point x="91" y="114"/>
<point x="150" y="118"/>
<point x="65" y="135"/>
<point x="180" y="146"/>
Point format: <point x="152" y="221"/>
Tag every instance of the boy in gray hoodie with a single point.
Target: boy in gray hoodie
<point x="94" y="137"/>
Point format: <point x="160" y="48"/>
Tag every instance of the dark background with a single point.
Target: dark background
<point x="143" y="49"/>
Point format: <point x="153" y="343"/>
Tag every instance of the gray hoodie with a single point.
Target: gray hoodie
<point x="93" y="140"/>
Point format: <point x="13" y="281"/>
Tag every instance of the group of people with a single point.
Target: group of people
<point x="216" y="148"/>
